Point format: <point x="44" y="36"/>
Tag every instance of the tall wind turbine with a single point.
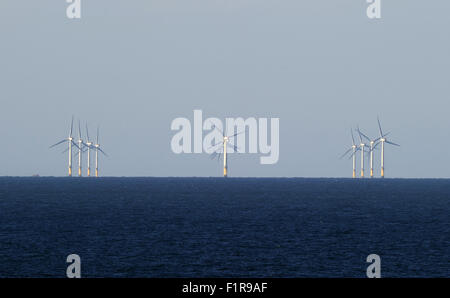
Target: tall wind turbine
<point x="352" y="149"/>
<point x="383" y="140"/>
<point x="97" y="149"/>
<point x="70" y="142"/>
<point x="89" y="145"/>
<point x="80" y="149"/>
<point x="223" y="149"/>
<point x="362" y="146"/>
<point x="373" y="145"/>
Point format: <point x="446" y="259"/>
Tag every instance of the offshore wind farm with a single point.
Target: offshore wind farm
<point x="220" y="150"/>
<point x="368" y="148"/>
<point x="82" y="147"/>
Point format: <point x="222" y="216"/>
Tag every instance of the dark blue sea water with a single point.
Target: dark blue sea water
<point x="215" y="227"/>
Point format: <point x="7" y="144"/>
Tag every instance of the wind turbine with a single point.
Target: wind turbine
<point x="80" y="149"/>
<point x="97" y="149"/>
<point x="71" y="142"/>
<point x="352" y="149"/>
<point x="373" y="145"/>
<point x="383" y="140"/>
<point x="89" y="145"/>
<point x="223" y="149"/>
<point x="362" y="146"/>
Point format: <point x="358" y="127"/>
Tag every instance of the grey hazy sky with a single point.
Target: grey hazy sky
<point x="133" y="66"/>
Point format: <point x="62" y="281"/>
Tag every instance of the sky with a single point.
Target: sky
<point x="132" y="67"/>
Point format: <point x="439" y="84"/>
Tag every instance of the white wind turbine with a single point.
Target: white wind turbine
<point x="222" y="149"/>
<point x="352" y="149"/>
<point x="383" y="140"/>
<point x="97" y="149"/>
<point x="362" y="146"/>
<point x="89" y="145"/>
<point x="373" y="145"/>
<point x="70" y="142"/>
<point x="80" y="149"/>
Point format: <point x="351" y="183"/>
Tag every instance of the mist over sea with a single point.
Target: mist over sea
<point x="216" y="227"/>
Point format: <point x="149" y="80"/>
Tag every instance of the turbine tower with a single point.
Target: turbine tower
<point x="70" y="142"/>
<point x="225" y="166"/>
<point x="97" y="149"/>
<point x="80" y="149"/>
<point x="223" y="149"/>
<point x="373" y="145"/>
<point x="352" y="149"/>
<point x="89" y="145"/>
<point x="383" y="140"/>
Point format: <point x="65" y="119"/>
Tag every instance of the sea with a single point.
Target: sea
<point x="217" y="227"/>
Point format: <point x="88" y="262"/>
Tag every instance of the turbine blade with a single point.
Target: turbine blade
<point x="379" y="127"/>
<point x="220" y="143"/>
<point x="102" y="151"/>
<point x="58" y="143"/>
<point x="235" y="148"/>
<point x="215" y="127"/>
<point x="366" y="137"/>
<point x="75" y="144"/>
<point x="353" y="137"/>
<point x="346" y="152"/>
<point x="87" y="133"/>
<point x="79" y="129"/>
<point x="359" y="134"/>
<point x="98" y="133"/>
<point x="71" y="128"/>
<point x="236" y="134"/>
<point x="354" y="153"/>
<point x="392" y="143"/>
